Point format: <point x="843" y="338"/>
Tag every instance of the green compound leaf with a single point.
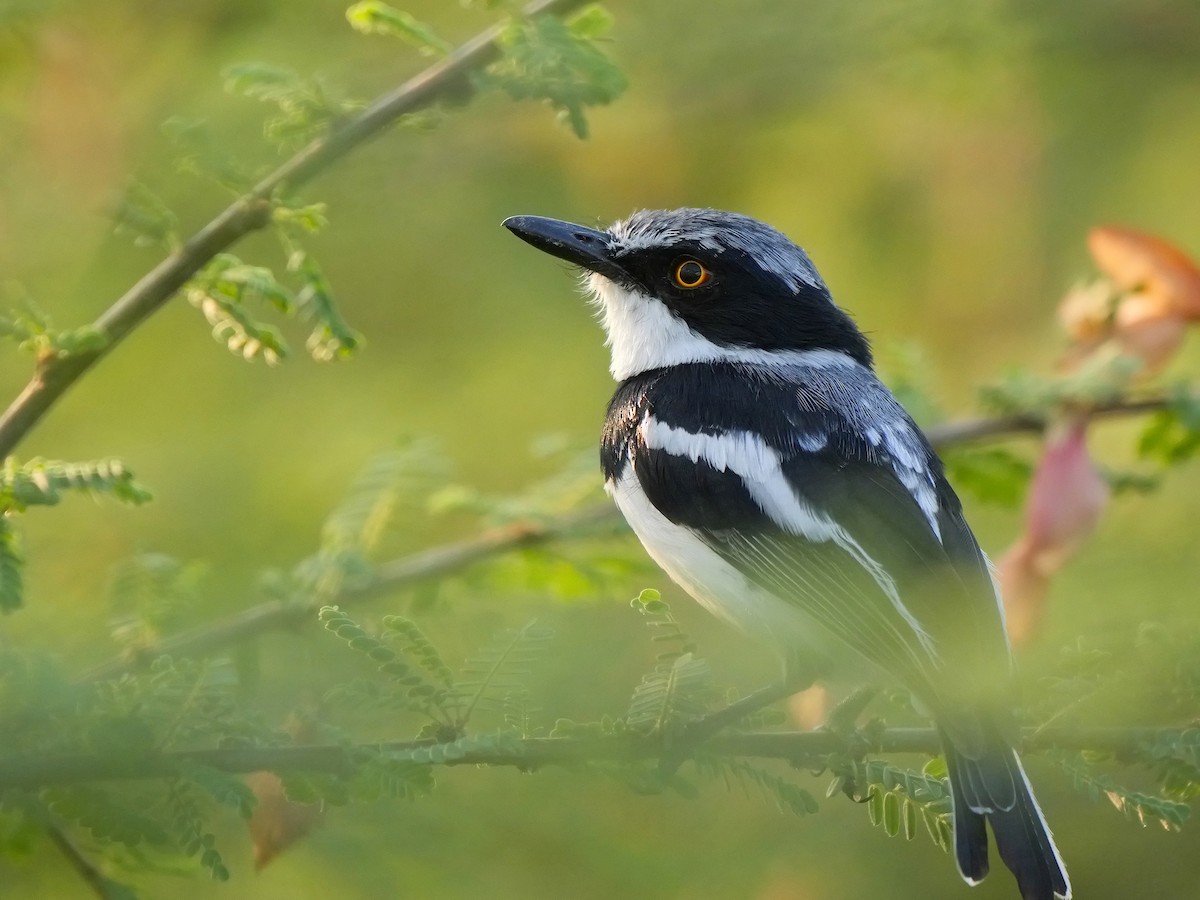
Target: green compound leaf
<point x="30" y="327"/>
<point x="676" y="692"/>
<point x="1172" y="436"/>
<point x="896" y="798"/>
<point x="592" y="22"/>
<point x="310" y="219"/>
<point x="787" y="796"/>
<point x="203" y="154"/>
<point x="145" y="216"/>
<point x="222" y="290"/>
<point x="549" y="60"/>
<point x="372" y="17"/>
<point x="12" y="584"/>
<point x="228" y="790"/>
<point x="992" y="475"/>
<point x="402" y="686"/>
<point x="331" y="337"/>
<point x="188" y="826"/>
<point x="41" y="482"/>
<point x="307" y="107"/>
<point x="1134" y="805"/>
<point x="499" y="669"/>
<point x="103" y="812"/>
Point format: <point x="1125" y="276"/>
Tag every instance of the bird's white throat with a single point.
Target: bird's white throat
<point x="644" y="334"/>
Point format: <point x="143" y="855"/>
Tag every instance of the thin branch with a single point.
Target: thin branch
<point x="450" y="558"/>
<point x="804" y="748"/>
<point x="966" y="430"/>
<point x="387" y="579"/>
<point x="101" y="886"/>
<point x="446" y="79"/>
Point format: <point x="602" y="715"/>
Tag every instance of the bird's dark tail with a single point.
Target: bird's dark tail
<point x="992" y="788"/>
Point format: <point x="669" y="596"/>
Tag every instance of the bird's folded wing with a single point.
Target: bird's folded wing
<point x="835" y="531"/>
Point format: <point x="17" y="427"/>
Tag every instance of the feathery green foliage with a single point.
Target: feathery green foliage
<point x="559" y="63"/>
<point x="1135" y="805"/>
<point x="391" y="482"/>
<point x="993" y="475"/>
<point x="675" y="692"/>
<point x="373" y="17"/>
<point x="222" y="291"/>
<point x="307" y="106"/>
<point x="185" y="703"/>
<point x="42" y="482"/>
<point x="145" y="216"/>
<point x="785" y="795"/>
<point x="897" y="798"/>
<point x="201" y="154"/>
<point x="413" y="642"/>
<point x="331" y="337"/>
<point x="489" y="676"/>
<point x="1172" y="435"/>
<point x="1024" y="393"/>
<point x="680" y="687"/>
<point x="189" y="829"/>
<point x="32" y="329"/>
<point x="149" y="594"/>
<point x="404" y="687"/>
<point x="12" y="585"/>
<point x="664" y="627"/>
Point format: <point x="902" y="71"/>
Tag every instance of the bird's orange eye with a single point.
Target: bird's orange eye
<point x="691" y="274"/>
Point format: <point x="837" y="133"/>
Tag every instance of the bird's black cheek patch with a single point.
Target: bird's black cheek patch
<point x="694" y="493"/>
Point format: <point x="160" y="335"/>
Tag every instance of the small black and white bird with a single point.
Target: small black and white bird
<point x="769" y="472"/>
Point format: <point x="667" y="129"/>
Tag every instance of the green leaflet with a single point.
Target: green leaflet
<point x="1135" y="805"/>
<point x="373" y="17"/>
<point x="785" y="795"/>
<point x="555" y="62"/>
<point x="897" y="798"/>
<point x="992" y="475"/>
<point x="32" y="329"/>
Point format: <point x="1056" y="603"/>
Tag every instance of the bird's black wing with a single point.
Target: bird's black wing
<point x="819" y="489"/>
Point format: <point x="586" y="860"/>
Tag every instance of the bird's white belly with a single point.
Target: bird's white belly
<point x="714" y="583"/>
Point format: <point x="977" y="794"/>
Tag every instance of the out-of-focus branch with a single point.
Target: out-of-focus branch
<point x="100" y="886"/>
<point x="963" y="431"/>
<point x="450" y="558"/>
<point x="387" y="578"/>
<point x="804" y="748"/>
<point x="445" y="79"/>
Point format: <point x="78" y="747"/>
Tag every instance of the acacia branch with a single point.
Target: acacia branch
<point x="387" y="578"/>
<point x="444" y="80"/>
<point x="947" y="434"/>
<point x="806" y="749"/>
<point x="454" y="557"/>
<point x="101" y="886"/>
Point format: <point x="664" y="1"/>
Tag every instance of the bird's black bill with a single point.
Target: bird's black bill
<point x="576" y="244"/>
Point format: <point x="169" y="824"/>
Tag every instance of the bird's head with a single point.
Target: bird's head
<point x="700" y="285"/>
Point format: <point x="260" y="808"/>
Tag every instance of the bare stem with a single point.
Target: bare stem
<point x="442" y="80"/>
<point x="102" y="887"/>
<point x="804" y="748"/>
<point x="963" y="431"/>
<point x="387" y="579"/>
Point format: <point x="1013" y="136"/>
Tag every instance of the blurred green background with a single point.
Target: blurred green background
<point x="941" y="162"/>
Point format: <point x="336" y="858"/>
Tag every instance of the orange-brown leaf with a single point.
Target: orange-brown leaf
<point x="277" y="822"/>
<point x="1146" y="264"/>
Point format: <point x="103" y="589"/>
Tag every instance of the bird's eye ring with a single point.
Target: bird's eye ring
<point x="690" y="274"/>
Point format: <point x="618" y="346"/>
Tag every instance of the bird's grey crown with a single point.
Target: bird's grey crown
<point x="717" y="231"/>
